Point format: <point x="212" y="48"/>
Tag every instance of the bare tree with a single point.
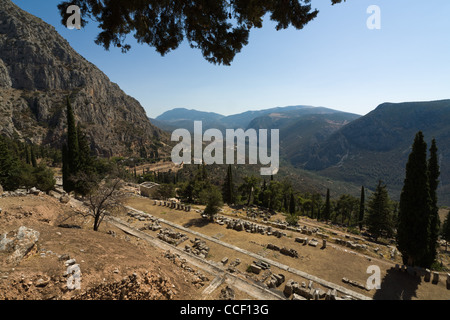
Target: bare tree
<point x="104" y="199"/>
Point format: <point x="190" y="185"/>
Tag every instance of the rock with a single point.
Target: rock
<point x="40" y="283"/>
<point x="64" y="257"/>
<point x="35" y="191"/>
<point x="64" y="199"/>
<point x="18" y="243"/>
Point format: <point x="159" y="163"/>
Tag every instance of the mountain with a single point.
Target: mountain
<point x="39" y="69"/>
<point x="302" y="131"/>
<point x="184" y="118"/>
<point x="377" y="145"/>
<point x="243" y="120"/>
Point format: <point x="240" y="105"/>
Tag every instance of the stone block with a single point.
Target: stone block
<point x="255" y="269"/>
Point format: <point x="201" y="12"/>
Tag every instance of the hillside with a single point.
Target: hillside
<point x="39" y="69"/>
<point x="377" y="146"/>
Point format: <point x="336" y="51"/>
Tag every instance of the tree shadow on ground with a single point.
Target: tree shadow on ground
<point x="197" y="222"/>
<point x="397" y="285"/>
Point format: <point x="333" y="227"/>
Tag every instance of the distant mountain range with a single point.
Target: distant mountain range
<point x="360" y="150"/>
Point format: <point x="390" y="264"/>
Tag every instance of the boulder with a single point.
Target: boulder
<point x="18" y="243"/>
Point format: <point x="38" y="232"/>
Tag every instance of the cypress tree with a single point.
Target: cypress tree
<point x="72" y="139"/>
<point x="85" y="162"/>
<point x="292" y="204"/>
<point x="228" y="187"/>
<point x="433" y="181"/>
<point x="33" y="158"/>
<point x="379" y="220"/>
<point x="67" y="186"/>
<point x="27" y="155"/>
<point x="446" y="230"/>
<point x="415" y="206"/>
<point x="327" y="210"/>
<point x="361" y="208"/>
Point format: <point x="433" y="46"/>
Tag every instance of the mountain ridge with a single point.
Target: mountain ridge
<point x="39" y="70"/>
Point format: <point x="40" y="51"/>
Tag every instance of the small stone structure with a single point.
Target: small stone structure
<point x="148" y="189"/>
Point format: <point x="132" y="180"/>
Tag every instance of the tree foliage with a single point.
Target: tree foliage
<point x="433" y="181"/>
<point x="228" y="187"/>
<point x="379" y="214"/>
<point x="17" y="170"/>
<point x="413" y="234"/>
<point x="213" y="200"/>
<point x="219" y="28"/>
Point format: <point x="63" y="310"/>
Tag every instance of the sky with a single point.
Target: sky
<point x="336" y="61"/>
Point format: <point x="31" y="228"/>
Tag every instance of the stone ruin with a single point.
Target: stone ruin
<point x="154" y="225"/>
<point x="232" y="266"/>
<point x="141" y="216"/>
<point x="199" y="279"/>
<point x="308" y="292"/>
<point x="173" y="205"/>
<point x="243" y="225"/>
<point x="199" y="248"/>
<point x="256" y="212"/>
<point x="257" y="266"/>
<point x="275" y="280"/>
<point x="172" y="237"/>
<point x="349" y="244"/>
<point x="288" y="252"/>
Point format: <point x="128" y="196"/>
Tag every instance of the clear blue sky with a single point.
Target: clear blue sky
<point x="336" y="61"/>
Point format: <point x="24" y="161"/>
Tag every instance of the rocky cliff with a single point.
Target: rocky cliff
<point x="39" y="69"/>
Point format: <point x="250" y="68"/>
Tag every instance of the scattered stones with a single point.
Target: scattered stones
<point x="199" y="248"/>
<point x="172" y="237"/>
<point x="227" y="293"/>
<point x="242" y="225"/>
